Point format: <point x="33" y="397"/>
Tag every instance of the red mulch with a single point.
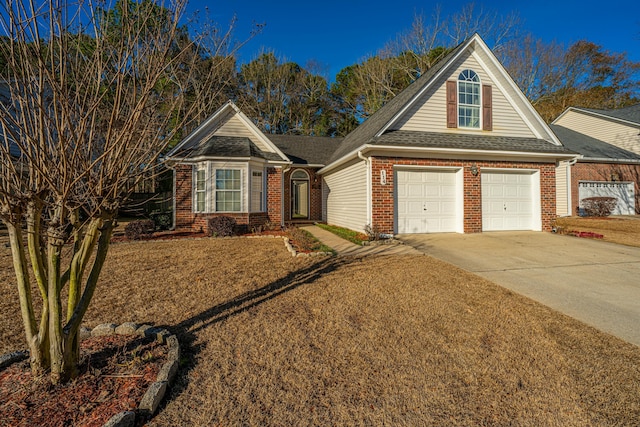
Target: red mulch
<point x="115" y="373"/>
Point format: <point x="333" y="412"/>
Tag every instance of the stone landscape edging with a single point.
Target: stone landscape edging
<point x="156" y="391"/>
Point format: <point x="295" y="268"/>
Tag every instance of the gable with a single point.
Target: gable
<point x="233" y="126"/>
<point x="227" y="133"/>
<point x="621" y="135"/>
<point x="429" y="111"/>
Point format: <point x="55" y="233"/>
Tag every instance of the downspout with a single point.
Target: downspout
<point x="367" y="162"/>
<point x="569" y="186"/>
<point x="284" y="171"/>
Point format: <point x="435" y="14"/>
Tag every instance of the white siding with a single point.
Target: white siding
<point x="345" y="197"/>
<point x="562" y="189"/>
<point x="429" y="113"/>
<point x="624" y="136"/>
<point x="234" y="127"/>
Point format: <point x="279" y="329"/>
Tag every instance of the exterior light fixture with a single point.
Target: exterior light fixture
<point x="474" y="170"/>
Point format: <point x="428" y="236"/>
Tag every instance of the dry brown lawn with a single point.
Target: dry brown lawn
<point x="616" y="230"/>
<point x="405" y="340"/>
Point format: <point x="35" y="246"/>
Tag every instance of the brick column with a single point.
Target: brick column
<point x="274" y="194"/>
<point x="184" y="198"/>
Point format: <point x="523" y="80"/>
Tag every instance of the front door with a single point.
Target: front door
<point x="299" y="199"/>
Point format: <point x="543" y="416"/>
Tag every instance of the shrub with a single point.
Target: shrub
<point x="139" y="229"/>
<point x="373" y="233"/>
<point x="162" y="220"/>
<point x="598" y="206"/>
<point x="221" y="226"/>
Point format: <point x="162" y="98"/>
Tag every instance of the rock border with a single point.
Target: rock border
<point x="155" y="393"/>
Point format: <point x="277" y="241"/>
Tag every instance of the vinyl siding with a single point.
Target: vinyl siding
<point x="345" y="197"/>
<point x="624" y="136"/>
<point x="429" y="112"/>
<point x="234" y="127"/>
<point x="562" y="189"/>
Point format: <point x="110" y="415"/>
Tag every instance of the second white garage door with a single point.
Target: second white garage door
<point x="427" y="201"/>
<point x="508" y="201"/>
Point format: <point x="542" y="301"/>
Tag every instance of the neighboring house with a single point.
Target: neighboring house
<point x="609" y="142"/>
<point x="460" y="150"/>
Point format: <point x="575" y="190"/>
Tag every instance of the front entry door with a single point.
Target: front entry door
<point x="299" y="199"/>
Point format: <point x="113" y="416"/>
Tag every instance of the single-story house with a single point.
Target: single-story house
<point x="460" y="150"/>
<point x="602" y="170"/>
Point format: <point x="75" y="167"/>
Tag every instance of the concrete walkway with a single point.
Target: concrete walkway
<point x="345" y="247"/>
<point x="593" y="281"/>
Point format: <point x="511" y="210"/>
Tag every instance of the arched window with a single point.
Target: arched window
<point x="299" y="174"/>
<point x="299" y="194"/>
<point x="469" y="100"/>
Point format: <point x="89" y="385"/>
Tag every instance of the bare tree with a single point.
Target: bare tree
<point x="91" y="99"/>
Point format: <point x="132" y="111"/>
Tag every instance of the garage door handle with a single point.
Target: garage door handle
<point x="505" y="207"/>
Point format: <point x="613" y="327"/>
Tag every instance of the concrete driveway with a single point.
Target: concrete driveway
<point x="593" y="281"/>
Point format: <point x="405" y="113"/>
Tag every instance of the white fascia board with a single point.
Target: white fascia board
<point x="192" y="160"/>
<point x="305" y="165"/>
<point x="562" y="114"/>
<point x="445" y="153"/>
<point x="465" y="154"/>
<point x="608" y="160"/>
<point x="507" y="77"/>
<point x="203" y="125"/>
<point x="431" y="82"/>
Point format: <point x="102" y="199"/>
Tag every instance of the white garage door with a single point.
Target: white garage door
<point x="507" y="201"/>
<point x="623" y="191"/>
<point x="426" y="201"/>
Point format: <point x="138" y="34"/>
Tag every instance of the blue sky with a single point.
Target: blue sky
<point x="340" y="33"/>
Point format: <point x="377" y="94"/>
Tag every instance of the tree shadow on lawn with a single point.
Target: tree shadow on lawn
<point x="187" y="329"/>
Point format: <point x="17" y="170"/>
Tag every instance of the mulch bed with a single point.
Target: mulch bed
<point x="115" y="373"/>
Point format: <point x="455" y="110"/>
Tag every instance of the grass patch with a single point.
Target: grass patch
<point x="347" y="234"/>
<point x="269" y="339"/>
<point x="307" y="242"/>
<point x="616" y="230"/>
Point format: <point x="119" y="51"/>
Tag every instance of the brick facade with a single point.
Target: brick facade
<point x="315" y="193"/>
<point x="186" y="219"/>
<point x="383" y="197"/>
<point x="602" y="172"/>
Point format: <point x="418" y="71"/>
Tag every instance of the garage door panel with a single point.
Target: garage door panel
<point x="623" y="191"/>
<point x="507" y="201"/>
<point x="426" y="201"/>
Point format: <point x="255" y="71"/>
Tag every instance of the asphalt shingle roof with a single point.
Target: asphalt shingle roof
<point x="630" y="114"/>
<point x="306" y="150"/>
<point x="591" y="147"/>
<point x="468" y="142"/>
<point x="225" y="146"/>
<point x="367" y="129"/>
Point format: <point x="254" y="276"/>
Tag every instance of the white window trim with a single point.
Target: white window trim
<point x="214" y="190"/>
<point x="263" y="202"/>
<point x="210" y="169"/>
<point x="459" y="105"/>
<point x="196" y="169"/>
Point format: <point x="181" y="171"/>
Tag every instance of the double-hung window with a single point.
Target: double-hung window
<point x="469" y="100"/>
<point x="228" y="194"/>
<point x="257" y="186"/>
<point x="200" y="190"/>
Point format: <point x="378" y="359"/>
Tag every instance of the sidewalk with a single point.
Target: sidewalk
<point x="345" y="248"/>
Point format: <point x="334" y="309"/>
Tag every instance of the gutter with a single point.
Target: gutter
<point x="457" y="153"/>
<point x="607" y="160"/>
